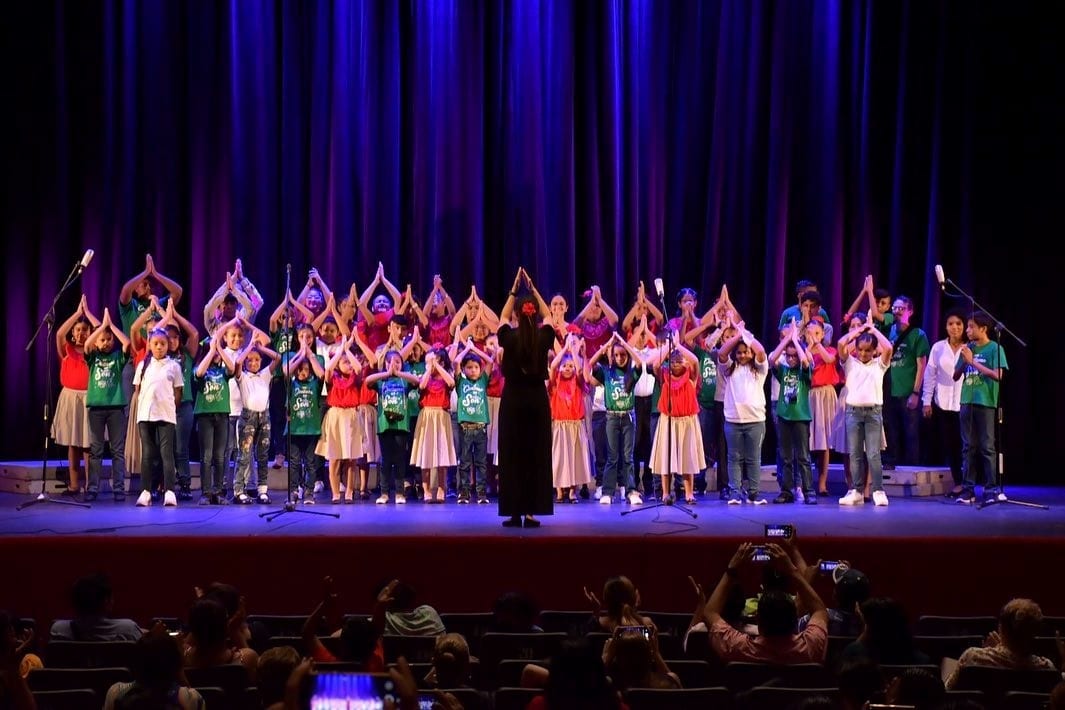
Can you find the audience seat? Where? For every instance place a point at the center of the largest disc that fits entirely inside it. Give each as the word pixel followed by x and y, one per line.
pixel 469 698
pixel 574 623
pixel 698 646
pixel 669 622
pixel 1052 624
pixel 694 674
pixel 496 647
pixel 677 699
pixel 416 649
pixel 836 644
pixel 515 698
pixel 892 671
pixel 277 624
pixel 744 676
pixel 774 698
pixel 215 697
pixel 996 682
pixel 940 647
pixel 232 678
pixel 508 671
pixel 955 625
pixel 1017 700
pixel 98 680
pixel 90 654
pixel 80 699
pixel 421 670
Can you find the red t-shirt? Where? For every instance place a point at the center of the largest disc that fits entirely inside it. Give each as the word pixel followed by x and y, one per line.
pixel 73 370
pixel 495 382
pixel 376 333
pixel 440 330
pixel 343 390
pixel 824 373
pixel 682 392
pixel 567 400
pixel 436 394
pixel 367 395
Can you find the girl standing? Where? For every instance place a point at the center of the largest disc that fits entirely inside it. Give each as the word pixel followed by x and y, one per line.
pixel 569 437
pixel 70 425
pixel 678 421
pixel 823 381
pixel 743 369
pixel 433 449
pixel 341 439
pixel 211 410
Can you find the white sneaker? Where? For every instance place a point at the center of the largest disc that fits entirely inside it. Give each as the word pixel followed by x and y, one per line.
pixel 598 493
pixel 759 501
pixel 635 498
pixel 605 499
pixel 880 498
pixel 735 501
pixel 318 487
pixel 299 493
pixel 145 499
pixel 401 499
pixel 381 500
pixel 853 497
pixel 169 500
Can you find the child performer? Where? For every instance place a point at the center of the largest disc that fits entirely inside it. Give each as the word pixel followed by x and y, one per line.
pixel 433 449
pixel 211 409
pixel 341 439
pixel 157 384
pixel 791 367
pixel 678 421
pixel 393 423
pixel 254 382
pixel 472 374
pixel 742 369
pixel 106 352
pixel 865 402
pixel 305 417
pixel 569 437
pixel 823 400
pixel 184 345
pixel 283 321
pixel 70 425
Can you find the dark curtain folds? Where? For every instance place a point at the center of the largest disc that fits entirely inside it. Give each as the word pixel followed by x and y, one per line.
pixel 743 141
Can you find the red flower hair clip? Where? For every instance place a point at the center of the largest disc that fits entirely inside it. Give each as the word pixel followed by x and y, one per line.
pixel 528 309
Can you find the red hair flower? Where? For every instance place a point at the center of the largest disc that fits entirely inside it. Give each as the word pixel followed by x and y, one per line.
pixel 528 309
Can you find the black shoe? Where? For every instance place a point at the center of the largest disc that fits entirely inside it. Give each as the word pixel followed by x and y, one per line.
pixel 120 497
pixel 724 494
pixel 156 496
pixel 71 493
pixel 90 495
pixel 785 497
pixel 184 494
pixel 531 523
pixel 810 500
pixel 512 522
pixel 205 500
pixel 888 467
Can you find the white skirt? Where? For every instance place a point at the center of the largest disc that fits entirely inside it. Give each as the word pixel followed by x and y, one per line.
pixel 70 425
pixel 368 425
pixel 434 442
pixel 493 428
pixel 570 460
pixel 341 437
pixel 822 412
pixel 686 450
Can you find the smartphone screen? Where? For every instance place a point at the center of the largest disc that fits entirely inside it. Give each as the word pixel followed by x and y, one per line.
pixel 829 566
pixel 364 691
pixel 783 531
pixel 760 555
pixel 645 630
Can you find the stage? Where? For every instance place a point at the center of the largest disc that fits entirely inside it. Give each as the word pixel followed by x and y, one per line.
pixel 937 556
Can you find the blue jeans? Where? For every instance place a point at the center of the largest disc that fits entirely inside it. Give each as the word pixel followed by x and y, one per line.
pixel 157 445
pixel 744 455
pixel 303 465
pixel 473 457
pixel 794 450
pixel 214 432
pixel 865 427
pixel 620 434
pixel 978 445
pixel 181 445
pixel 232 449
pixel 113 419
pixel 599 446
pixel 902 427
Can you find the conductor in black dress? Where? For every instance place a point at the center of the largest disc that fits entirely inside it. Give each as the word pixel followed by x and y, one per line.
pixel 524 411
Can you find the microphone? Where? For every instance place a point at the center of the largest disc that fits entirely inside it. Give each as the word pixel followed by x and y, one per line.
pixel 85 259
pixel 940 277
pixel 288 269
pixel 660 289
pixel 962 366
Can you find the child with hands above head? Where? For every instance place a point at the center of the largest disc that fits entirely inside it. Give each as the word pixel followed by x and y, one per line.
pixel 866 357
pixel 678 442
pixel 392 385
pixel 473 368
pixel 570 454
pixel 70 425
pixel 743 368
pixel 106 353
pixel 341 439
pixel 158 384
pixel 791 367
pixel 433 449
pixel 824 377
pixel 253 377
pixel 184 345
pixel 305 374
pixel 211 410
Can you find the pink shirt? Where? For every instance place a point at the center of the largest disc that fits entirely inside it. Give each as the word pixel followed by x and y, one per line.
pixel 807 647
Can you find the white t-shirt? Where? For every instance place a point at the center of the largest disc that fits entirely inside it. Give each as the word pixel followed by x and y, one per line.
pixel 939 378
pixel 645 384
pixel 745 392
pixel 255 389
pixel 865 381
pixel 157 381
pixel 236 402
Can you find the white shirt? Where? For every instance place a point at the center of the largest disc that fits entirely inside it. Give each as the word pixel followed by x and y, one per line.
pixel 255 389
pixel 157 381
pixel 236 402
pixel 865 381
pixel 744 392
pixel 939 378
pixel 645 384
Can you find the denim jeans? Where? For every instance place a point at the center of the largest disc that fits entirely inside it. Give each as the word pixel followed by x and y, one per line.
pixel 213 430
pixel 394 459
pixel 865 427
pixel 278 415
pixel 303 464
pixel 902 427
pixel 978 445
pixel 599 444
pixel 473 450
pixel 794 439
pixel 620 433
pixel 113 419
pixel 232 449
pixel 254 436
pixel 157 444
pixel 181 445
pixel 744 455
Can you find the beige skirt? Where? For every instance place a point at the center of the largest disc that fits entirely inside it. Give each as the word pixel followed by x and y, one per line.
pixel 838 436
pixel 822 412
pixel 341 437
pixel 686 450
pixel 70 425
pixel 133 438
pixel 570 460
pixel 368 425
pixel 493 429
pixel 434 442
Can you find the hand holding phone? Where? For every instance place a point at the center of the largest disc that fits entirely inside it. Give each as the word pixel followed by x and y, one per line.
pixel 760 554
pixel 779 531
pixel 828 566
pixel 645 631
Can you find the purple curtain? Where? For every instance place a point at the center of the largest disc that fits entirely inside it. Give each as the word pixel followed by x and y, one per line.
pixel 751 142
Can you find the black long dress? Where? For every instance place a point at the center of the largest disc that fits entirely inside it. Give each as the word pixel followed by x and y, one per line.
pixel 525 430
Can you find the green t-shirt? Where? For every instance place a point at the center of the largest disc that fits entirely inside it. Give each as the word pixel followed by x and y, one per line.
pixel 279 341
pixel 414 397
pixel 885 325
pixel 392 412
pixel 907 346
pixel 794 402
pixel 184 360
pixel 977 388
pixel 105 379
pixel 707 376
pixel 473 399
pixel 618 386
pixel 131 311
pixel 305 406
pixel 212 390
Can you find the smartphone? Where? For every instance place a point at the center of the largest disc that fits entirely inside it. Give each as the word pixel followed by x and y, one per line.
pixel 644 630
pixel 367 691
pixel 760 554
pixel 828 566
pixel 784 531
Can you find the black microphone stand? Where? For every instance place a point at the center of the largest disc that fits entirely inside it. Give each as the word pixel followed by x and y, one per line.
pixel 288 333
pixel 49 320
pixel 667 496
pixel 1001 497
